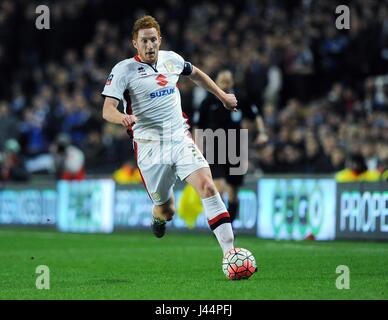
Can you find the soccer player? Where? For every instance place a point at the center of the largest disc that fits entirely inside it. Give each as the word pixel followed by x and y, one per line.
pixel 164 149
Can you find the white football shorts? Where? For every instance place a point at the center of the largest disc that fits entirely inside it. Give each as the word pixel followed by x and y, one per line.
pixel 160 163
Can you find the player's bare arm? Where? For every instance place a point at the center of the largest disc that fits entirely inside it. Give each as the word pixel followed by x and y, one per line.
pixel 200 78
pixel 111 114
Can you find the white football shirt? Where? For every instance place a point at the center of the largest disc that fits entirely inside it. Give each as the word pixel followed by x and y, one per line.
pixel 150 93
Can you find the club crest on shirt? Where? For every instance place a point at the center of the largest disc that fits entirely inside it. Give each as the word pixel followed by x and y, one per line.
pixel 155 196
pixel 169 66
pixel 109 80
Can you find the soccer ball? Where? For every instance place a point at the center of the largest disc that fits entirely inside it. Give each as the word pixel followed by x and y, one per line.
pixel 239 263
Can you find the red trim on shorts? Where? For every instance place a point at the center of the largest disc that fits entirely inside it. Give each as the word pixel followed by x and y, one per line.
pixel 128 111
pixel 186 119
pixel 142 178
pixel 219 217
pixel 187 131
pixel 129 105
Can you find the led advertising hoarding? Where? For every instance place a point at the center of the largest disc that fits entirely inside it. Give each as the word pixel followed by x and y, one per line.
pixel 362 211
pixel 296 208
pixel 86 206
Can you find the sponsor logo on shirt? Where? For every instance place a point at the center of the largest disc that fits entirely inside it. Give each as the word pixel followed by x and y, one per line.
pixel 162 93
pixel 161 80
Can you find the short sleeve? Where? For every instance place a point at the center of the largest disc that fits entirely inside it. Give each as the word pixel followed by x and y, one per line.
pixel 178 61
pixel 116 83
pixel 183 67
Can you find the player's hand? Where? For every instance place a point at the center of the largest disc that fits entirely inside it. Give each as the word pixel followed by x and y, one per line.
pixel 128 120
pixel 230 101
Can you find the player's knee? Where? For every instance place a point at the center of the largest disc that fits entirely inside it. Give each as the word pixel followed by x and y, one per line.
pixel 208 188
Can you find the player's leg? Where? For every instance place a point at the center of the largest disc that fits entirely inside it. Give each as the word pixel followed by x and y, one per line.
pixel 158 178
pixel 192 167
pixel 222 187
pixel 215 210
pixel 219 172
pixel 165 211
pixel 160 215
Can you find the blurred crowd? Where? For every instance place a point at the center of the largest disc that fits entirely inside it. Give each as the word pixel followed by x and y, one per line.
pixel 322 92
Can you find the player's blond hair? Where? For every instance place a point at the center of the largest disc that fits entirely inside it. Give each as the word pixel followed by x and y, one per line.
pixel 145 22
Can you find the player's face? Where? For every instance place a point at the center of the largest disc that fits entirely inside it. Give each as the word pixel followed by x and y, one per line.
pixel 147 44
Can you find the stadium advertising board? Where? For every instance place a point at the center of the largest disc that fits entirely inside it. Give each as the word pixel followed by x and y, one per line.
pixel 28 206
pixel 296 208
pixel 362 211
pixel 133 209
pixel 86 206
pixel 100 205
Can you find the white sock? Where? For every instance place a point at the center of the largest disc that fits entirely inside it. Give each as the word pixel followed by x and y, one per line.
pixel 219 221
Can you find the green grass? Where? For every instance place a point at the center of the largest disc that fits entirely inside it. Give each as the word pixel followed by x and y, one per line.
pixel 135 265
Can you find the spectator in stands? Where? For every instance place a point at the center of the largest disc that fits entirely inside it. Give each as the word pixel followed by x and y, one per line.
pixel 265 159
pixel 356 170
pixel 69 160
pixel 382 165
pixel 12 166
pixel 8 124
pixel 337 160
pixel 128 173
pixel 299 69
pixel 384 171
pixel 32 132
pixel 315 161
pixel 76 118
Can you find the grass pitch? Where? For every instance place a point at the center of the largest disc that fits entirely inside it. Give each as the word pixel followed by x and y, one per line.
pixel 136 265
